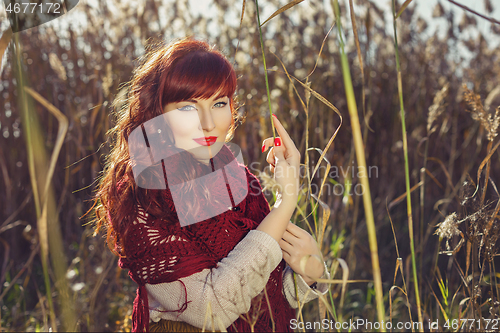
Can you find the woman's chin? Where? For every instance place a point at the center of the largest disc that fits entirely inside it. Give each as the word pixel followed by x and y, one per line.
pixel 205 153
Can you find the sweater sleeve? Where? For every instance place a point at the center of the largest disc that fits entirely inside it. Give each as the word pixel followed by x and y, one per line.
pixel 302 287
pixel 228 288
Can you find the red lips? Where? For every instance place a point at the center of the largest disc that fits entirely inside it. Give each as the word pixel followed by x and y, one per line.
pixel 206 141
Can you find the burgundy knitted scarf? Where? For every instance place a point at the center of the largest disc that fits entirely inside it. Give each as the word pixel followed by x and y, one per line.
pixel 158 252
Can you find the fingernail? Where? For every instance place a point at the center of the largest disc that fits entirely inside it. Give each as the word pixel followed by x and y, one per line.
pixel 275 116
pixel 277 142
pixel 263 147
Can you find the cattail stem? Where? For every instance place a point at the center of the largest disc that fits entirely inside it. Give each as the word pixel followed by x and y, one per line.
pixel 407 172
pixel 363 177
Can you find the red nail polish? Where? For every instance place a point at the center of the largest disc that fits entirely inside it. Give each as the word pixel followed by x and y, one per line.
pixel 263 147
pixel 275 116
pixel 277 142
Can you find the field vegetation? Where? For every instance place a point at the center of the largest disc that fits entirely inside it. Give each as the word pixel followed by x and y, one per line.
pixel 418 117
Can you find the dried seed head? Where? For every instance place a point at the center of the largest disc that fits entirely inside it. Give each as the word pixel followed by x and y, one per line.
pixel 477 291
pixel 493 99
pixel 488 6
pixel 107 81
pixel 57 66
pixel 488 121
pixel 449 227
pixel 467 191
pixel 438 10
pixel 466 21
pixel 495 123
pixel 437 108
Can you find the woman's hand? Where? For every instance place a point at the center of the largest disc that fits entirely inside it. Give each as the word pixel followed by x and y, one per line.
pixel 284 158
pixel 296 244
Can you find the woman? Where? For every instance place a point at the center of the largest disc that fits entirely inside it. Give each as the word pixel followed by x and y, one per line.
pixel 186 218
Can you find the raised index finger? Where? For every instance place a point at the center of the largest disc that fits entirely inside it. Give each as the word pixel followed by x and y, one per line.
pixel 285 138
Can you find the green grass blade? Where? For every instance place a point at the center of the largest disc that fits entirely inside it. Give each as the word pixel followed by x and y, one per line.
pixel 41 174
pixel 265 68
pixel 363 177
pixel 407 168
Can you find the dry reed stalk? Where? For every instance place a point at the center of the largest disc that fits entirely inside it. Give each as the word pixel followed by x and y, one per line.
pixel 31 129
pixel 4 42
pixel 399 267
pixel 489 122
pixel 407 171
pixel 360 60
pixel 435 111
pixel 41 174
pixel 265 69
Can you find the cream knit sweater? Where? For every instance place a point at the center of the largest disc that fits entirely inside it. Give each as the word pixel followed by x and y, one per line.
pixel 230 286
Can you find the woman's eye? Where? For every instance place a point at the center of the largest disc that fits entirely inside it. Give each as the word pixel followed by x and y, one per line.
pixel 220 104
pixel 187 108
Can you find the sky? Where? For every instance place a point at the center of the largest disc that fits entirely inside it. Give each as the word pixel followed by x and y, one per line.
pixel 424 8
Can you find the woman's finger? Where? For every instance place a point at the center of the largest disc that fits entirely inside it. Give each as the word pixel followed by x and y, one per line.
pixel 285 138
pixel 289 237
pixel 279 156
pixel 285 245
pixel 286 142
pixel 270 156
pixel 268 142
pixel 296 230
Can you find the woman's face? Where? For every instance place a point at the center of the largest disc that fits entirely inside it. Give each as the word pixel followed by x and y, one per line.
pixel 200 126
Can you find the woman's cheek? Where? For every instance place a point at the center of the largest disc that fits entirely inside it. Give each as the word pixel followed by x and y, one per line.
pixel 228 118
pixel 184 123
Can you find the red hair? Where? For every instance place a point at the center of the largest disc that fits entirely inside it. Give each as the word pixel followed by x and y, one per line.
pixel 175 72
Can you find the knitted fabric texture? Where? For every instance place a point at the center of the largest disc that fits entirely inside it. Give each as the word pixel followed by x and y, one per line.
pixel 158 251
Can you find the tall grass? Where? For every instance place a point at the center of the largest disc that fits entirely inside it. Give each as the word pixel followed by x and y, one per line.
pixel 41 174
pixel 363 177
pixel 406 165
pixel 79 70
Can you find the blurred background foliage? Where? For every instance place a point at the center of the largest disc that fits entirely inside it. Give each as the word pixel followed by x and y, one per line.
pixel 81 68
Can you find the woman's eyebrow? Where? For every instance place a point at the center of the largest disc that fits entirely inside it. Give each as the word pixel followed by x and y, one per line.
pixel 220 96
pixel 188 100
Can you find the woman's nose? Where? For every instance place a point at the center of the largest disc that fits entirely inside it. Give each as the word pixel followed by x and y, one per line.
pixel 206 120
